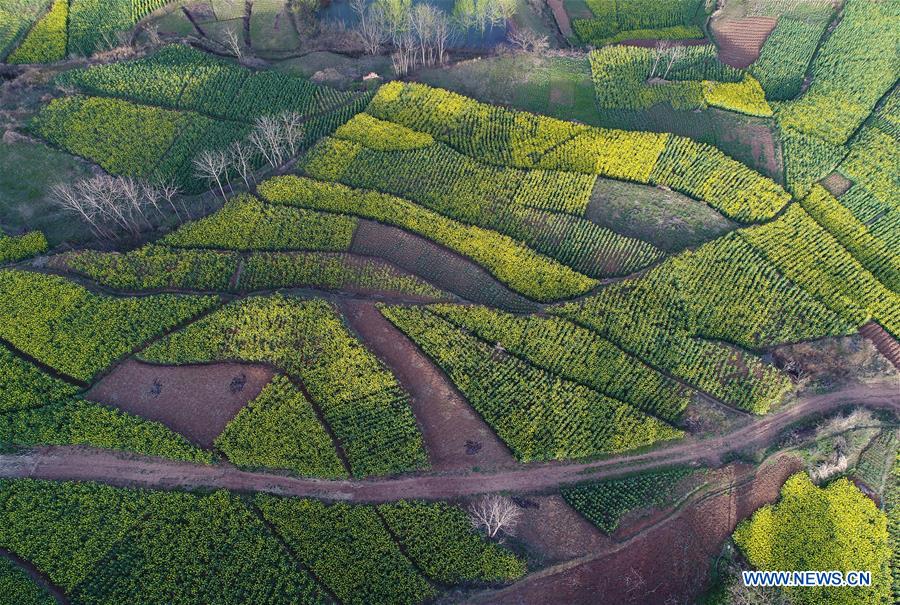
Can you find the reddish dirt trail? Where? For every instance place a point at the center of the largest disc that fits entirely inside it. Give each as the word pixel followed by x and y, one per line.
pixel 669 559
pixel 886 344
pixel 116 468
pixel 456 437
pixel 196 401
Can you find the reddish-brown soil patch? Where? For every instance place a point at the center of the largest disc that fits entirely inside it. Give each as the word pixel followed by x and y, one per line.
pixel 837 184
pixel 561 17
pixel 194 400
pixel 670 561
pixel 555 532
pixel 740 40
pixel 455 435
pixel 886 344
pixel 442 267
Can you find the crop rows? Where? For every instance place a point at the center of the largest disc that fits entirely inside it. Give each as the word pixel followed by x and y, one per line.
pixel 246 223
pixel 620 75
pixel 807 159
pixel 576 354
pixel 24 386
pixel 744 97
pixel 439 539
pixel 156 267
pixel 852 70
pixel 100 544
pixel 873 253
pixel 179 77
pixel 349 549
pixel 334 271
pixel 681 314
pixel 703 172
pixel 16 586
pixel 153 267
pixel 459 176
pixel 508 138
pixel 785 56
pixel 460 188
pixel 279 429
pixel 79 422
pixel 516 265
pixel 16 248
pixel 80 333
pixel 616 20
pixel 605 503
pixel 360 399
pixel 92 23
pixel 537 414
pixel 46 41
pixel 16 17
pixel 874 155
pixel 440 266
pixel 825 269
pixel 876 461
pixel 136 140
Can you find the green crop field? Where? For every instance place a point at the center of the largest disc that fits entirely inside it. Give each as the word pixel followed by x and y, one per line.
pixel 471 301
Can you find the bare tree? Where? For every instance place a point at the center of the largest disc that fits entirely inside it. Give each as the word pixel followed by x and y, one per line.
pixel 494 513
pixel 70 199
pixel 528 40
pixel 168 191
pixel 232 42
pixel 292 131
pixel 674 54
pixel 109 204
pixel 370 29
pixel 267 139
pixel 661 48
pixel 422 21
pixel 241 155
pixel 211 166
pixel 442 34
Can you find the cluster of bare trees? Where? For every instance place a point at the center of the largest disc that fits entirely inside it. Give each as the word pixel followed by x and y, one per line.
pixel 110 205
pixel 417 34
pixel 275 139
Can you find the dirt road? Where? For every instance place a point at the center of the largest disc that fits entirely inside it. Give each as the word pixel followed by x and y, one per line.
pixel 71 463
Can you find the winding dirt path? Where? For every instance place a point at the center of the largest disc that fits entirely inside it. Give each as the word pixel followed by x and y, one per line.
pixel 116 468
pixel 455 436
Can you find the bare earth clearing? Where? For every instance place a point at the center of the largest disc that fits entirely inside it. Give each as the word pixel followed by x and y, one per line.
pixel 194 400
pixel 668 559
pixel 740 40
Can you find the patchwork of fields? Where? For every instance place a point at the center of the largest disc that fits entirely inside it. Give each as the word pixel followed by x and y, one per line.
pixel 395 285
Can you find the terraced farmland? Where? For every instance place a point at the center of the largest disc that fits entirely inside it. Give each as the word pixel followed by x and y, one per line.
pixel 292 326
